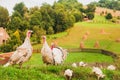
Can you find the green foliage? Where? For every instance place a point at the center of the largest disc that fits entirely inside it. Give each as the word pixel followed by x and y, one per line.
pixel 47 17
pixel 90 8
pixel 36 18
pixel 108 16
pixel 12 43
pixel 20 7
pixel 4 17
pixel 90 15
pixel 111 4
pixel 15 24
pixel 50 30
pixel 38 32
pixel 78 16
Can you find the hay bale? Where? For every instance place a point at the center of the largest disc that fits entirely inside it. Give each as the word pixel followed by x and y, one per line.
pixel 87 33
pixel 102 31
pixel 84 37
pixel 117 40
pixel 82 45
pixel 96 45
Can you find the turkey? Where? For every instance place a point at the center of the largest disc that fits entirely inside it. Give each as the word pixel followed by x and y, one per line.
pixel 46 52
pixel 22 53
pixel 52 55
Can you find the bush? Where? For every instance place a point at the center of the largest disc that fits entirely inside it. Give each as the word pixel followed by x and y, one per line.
pixel 90 15
pixel 108 16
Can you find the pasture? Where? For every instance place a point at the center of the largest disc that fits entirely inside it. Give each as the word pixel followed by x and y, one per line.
pixel 101 30
pixel 36 70
pixel 72 37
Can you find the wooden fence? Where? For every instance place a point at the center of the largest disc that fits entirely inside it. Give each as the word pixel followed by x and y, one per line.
pixel 102 51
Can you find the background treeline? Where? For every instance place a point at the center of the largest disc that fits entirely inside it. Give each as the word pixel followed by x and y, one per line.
pixel 111 4
pixel 46 19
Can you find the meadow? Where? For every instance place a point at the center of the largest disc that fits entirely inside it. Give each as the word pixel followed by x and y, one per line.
pixel 36 70
pixel 72 37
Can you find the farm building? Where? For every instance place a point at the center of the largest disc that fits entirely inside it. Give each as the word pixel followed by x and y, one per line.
pixel 3 35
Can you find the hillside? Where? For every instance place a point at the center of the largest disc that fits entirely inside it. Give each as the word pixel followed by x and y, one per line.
pixel 72 37
pixel 99 10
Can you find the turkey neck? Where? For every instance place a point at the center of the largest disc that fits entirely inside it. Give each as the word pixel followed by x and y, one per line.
pixel 44 40
pixel 28 34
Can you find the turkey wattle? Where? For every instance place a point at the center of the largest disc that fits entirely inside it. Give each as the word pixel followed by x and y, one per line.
pixel 22 53
pixel 53 55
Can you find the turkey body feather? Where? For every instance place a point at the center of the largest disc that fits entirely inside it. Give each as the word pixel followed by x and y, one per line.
pixel 22 53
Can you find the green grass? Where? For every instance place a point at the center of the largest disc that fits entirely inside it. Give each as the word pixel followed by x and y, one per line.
pixel 88 57
pixel 72 37
pixel 36 70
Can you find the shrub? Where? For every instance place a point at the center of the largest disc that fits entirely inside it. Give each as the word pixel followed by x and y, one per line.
pixel 90 15
pixel 108 16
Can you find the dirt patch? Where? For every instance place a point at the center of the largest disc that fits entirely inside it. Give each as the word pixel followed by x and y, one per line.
pixel 5 57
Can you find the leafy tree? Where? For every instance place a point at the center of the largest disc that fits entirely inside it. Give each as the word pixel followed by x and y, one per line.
pixel 50 30
pixel 78 16
pixel 90 8
pixel 4 16
pixel 90 15
pixel 36 18
pixel 111 4
pixel 15 23
pixel 20 7
pixel 38 32
pixel 47 17
pixel 108 16
pixel 16 14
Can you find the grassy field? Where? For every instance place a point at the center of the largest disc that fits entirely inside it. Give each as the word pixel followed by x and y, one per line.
pixel 36 70
pixel 72 37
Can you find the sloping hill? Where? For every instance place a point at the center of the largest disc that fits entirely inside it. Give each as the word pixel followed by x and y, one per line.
pixel 101 30
pixel 114 13
pixel 105 33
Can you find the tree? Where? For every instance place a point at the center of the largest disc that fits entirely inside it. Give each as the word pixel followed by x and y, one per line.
pixel 38 32
pixel 90 15
pixel 20 7
pixel 111 4
pixel 36 18
pixel 78 16
pixel 90 8
pixel 47 17
pixel 15 23
pixel 4 17
pixel 108 16
pixel 50 30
